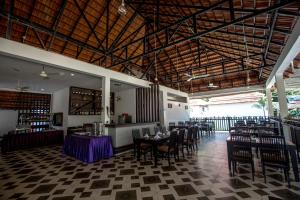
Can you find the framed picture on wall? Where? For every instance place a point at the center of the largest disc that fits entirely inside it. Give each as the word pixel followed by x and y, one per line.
pixel 169 105
pixel 186 107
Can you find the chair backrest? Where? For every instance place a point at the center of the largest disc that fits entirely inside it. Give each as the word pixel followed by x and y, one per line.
pixel 195 132
pixel 146 131
pixel 173 139
pixel 180 123
pixel 264 130
pixel 241 146
pixel 181 135
pixel 240 123
pixel 242 130
pixel 163 129
pixel 273 148
pixel 156 129
pixel 190 134
pixel 135 133
pixel 171 123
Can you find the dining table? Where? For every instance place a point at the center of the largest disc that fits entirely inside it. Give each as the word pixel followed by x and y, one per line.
pixel 88 149
pixel 291 148
pixel 155 142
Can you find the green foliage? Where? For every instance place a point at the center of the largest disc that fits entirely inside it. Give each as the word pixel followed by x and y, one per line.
pixel 261 104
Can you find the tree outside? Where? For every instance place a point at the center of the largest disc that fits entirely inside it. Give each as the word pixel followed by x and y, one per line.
pixel 261 104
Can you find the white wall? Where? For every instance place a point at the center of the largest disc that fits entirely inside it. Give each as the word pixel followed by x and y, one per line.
pixel 177 112
pixel 60 103
pixel 237 109
pixel 8 121
pixel 126 104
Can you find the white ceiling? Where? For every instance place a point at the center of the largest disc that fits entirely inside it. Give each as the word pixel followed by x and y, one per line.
pixel 14 70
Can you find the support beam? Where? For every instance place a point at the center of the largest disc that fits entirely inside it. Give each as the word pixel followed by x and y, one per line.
pixel 281 96
pixel 269 102
pixel 9 21
pixel 273 22
pixel 201 34
pixel 74 26
pixel 56 22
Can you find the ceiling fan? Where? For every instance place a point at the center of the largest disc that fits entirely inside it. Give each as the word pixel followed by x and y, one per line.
pixel 211 85
pixel 46 75
pixel 192 77
pixel 21 88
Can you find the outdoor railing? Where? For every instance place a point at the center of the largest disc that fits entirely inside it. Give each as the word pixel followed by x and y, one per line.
pixel 224 123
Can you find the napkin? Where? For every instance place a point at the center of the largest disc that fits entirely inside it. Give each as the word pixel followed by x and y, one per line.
pixel 157 137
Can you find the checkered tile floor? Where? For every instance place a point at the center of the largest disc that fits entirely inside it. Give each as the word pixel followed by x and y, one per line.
pixel 46 173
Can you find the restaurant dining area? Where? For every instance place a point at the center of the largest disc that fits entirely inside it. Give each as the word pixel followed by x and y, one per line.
pixel 113 100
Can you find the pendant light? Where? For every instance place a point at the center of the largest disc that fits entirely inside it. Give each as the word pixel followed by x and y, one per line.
pixel 122 9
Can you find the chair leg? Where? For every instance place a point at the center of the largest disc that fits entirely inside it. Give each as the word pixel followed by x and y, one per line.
pixel 264 172
pixel 252 166
pixel 187 149
pixel 169 159
pixel 233 168
pixel 287 177
pixel 182 151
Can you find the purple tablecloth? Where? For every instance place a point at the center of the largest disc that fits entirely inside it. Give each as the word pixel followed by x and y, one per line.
pixel 88 148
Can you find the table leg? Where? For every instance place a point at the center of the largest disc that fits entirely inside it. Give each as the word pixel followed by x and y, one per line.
pixel 155 155
pixel 228 156
pixel 294 164
pixel 138 149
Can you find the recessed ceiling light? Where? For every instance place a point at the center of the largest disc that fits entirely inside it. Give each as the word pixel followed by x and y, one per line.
pixel 72 74
pixel 42 89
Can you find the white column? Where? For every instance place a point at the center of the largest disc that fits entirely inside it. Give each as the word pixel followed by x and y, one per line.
pixel 282 104
pixel 281 96
pixel 105 115
pixel 163 108
pixel 270 105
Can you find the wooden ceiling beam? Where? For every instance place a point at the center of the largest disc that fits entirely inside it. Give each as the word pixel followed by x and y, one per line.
pixel 202 33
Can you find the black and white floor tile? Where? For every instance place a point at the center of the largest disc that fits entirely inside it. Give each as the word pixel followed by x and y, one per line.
pixel 46 173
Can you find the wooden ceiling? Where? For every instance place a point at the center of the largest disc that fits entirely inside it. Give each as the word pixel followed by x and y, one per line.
pixel 230 43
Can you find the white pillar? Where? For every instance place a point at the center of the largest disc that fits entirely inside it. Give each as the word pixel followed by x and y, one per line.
pixel 270 105
pixel 282 104
pixel 105 115
pixel 163 108
pixel 281 96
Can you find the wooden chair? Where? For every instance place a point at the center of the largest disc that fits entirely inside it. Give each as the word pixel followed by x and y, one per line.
pixel 180 142
pixel 273 153
pixel 171 125
pixel 145 148
pixel 146 131
pixel 241 151
pixel 170 147
pixel 196 137
pixel 188 142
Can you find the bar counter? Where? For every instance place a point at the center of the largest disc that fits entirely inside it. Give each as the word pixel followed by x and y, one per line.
pixel 121 133
pixel 11 142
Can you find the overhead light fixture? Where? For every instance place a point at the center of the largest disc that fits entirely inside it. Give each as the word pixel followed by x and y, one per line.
pixel 122 9
pixel 43 74
pixel 72 74
pixel 42 89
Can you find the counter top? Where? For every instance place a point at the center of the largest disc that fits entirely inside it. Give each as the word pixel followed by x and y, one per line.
pixel 128 125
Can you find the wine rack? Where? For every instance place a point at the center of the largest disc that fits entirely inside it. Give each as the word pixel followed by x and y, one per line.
pixel 84 101
pixel 33 108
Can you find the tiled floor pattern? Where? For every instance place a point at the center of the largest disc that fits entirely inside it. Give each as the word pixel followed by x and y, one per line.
pixel 46 173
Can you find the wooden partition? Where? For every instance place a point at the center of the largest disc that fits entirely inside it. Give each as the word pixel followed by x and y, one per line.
pixel 147 104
